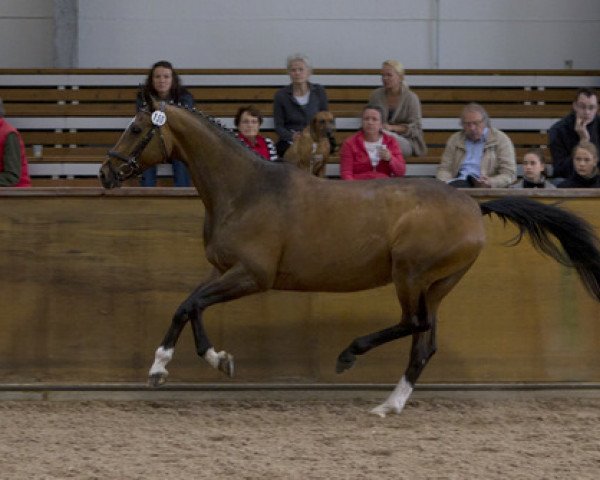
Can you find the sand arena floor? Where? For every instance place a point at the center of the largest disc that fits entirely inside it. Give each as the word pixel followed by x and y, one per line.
pixel 300 435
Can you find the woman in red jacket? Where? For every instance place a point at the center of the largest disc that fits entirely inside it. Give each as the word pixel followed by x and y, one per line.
pixel 13 163
pixel 371 153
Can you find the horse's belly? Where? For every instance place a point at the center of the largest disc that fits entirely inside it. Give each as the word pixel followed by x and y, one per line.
pixel 333 275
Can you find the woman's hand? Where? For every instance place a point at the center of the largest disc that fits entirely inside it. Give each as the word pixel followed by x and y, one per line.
pixel 384 153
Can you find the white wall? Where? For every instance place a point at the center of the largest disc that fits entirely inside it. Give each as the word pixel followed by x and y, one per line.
pixel 26 33
pixel 520 33
pixel 253 33
pixel 334 33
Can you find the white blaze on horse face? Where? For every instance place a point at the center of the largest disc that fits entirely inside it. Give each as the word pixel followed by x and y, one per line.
pixel 396 401
pixel 161 358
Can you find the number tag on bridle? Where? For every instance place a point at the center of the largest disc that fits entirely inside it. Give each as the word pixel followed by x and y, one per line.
pixel 158 118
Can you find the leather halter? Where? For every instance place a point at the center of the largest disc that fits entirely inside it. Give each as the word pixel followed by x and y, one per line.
pixel 131 166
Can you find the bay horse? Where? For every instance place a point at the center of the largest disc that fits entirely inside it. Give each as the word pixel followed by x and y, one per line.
pixel 270 225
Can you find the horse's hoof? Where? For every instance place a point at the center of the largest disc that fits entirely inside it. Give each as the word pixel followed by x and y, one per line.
pixel 157 379
pixel 226 363
pixel 344 362
pixel 385 408
pixel 381 410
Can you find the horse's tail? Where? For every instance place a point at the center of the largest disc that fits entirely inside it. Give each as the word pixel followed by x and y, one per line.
pixel 580 245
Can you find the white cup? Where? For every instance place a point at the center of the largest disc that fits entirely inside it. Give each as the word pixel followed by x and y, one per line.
pixel 380 150
pixel 38 150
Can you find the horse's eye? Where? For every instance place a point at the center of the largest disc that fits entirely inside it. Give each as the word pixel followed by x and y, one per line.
pixel 136 129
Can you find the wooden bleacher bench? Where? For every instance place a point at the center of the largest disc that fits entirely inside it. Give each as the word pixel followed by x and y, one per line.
pixel 78 114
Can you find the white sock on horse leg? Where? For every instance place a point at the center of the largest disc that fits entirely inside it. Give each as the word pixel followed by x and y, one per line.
pixel 221 361
pixel 212 357
pixel 161 358
pixel 396 401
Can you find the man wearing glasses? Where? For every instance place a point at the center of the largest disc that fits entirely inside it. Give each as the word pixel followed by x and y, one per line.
pixel 582 124
pixel 479 155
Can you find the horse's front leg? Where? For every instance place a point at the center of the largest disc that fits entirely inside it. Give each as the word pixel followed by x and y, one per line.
pixel 234 283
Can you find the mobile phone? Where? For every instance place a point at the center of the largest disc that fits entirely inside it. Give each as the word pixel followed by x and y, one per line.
pixel 472 180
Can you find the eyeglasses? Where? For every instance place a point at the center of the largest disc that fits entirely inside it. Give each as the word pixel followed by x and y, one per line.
pixel 475 123
pixel 589 108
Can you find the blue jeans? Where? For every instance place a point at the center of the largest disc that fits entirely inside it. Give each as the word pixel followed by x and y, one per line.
pixel 181 177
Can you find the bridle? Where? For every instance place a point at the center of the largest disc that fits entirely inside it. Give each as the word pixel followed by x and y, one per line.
pixel 131 166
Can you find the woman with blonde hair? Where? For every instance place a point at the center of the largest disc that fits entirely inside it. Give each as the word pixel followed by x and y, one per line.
pixel 401 107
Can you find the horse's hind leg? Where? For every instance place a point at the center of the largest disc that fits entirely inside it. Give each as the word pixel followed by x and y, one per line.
pixel 234 283
pixel 423 344
pixel 414 319
pixel 362 345
pixel 423 348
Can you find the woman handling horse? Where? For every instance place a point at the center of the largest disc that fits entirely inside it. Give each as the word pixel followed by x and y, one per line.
pixel 268 225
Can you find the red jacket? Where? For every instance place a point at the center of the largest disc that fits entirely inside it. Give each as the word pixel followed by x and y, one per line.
pixel 355 163
pixel 6 129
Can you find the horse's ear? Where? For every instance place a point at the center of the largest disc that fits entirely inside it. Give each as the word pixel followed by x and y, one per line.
pixel 147 100
pixel 142 98
pixel 156 104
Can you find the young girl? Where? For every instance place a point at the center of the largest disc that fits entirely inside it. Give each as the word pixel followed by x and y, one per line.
pixel 585 163
pixel 534 171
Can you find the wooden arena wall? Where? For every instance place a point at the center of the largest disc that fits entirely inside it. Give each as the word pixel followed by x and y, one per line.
pixel 90 280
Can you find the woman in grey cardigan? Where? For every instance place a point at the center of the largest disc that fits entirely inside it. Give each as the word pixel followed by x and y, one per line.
pixel 402 109
pixel 294 106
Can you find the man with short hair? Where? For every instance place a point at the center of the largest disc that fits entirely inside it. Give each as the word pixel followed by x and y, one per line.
pixel 13 164
pixel 582 124
pixel 479 155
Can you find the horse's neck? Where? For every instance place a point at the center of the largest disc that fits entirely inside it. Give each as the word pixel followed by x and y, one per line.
pixel 220 169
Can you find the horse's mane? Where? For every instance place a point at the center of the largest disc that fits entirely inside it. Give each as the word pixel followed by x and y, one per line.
pixel 225 133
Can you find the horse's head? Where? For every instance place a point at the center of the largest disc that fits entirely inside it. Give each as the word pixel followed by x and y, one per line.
pixel 145 142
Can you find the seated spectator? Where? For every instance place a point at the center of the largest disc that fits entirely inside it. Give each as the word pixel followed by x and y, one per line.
pixel 401 109
pixel 163 83
pixel 534 171
pixel 585 167
pixel 248 120
pixel 294 106
pixel 14 171
pixel 371 152
pixel 479 155
pixel 582 124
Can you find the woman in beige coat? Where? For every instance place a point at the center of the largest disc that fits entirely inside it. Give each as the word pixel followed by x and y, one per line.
pixel 401 108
